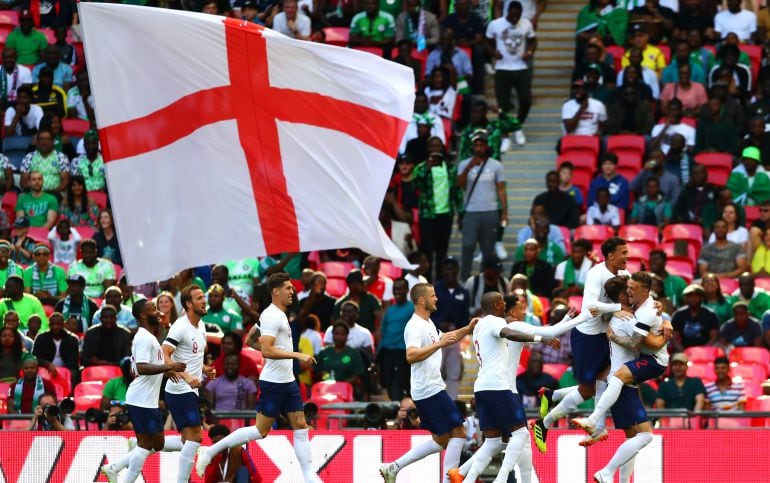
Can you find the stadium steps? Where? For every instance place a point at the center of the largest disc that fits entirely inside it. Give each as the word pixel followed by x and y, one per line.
pixel 525 167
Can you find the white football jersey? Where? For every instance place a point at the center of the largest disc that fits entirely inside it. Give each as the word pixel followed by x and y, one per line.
pixel 144 390
pixel 648 320
pixel 514 351
pixel 426 380
pixel 273 322
pixel 619 355
pixel 189 344
pixel 595 296
pixel 492 354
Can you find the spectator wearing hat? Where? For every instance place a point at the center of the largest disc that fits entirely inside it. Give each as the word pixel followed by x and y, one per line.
pixel 591 62
pixel 572 272
pixel 28 42
pixel 539 272
pixel 53 165
pixel 489 280
pixel 58 347
pixel 652 57
pixel 114 297
pixel 583 115
pixel 745 193
pixel 694 324
pixel 37 207
pixel 15 74
pixel 292 22
pixel 679 391
pixel 420 111
pixel 107 343
pixel 483 180
pixel 610 179
pixel 48 282
pixel 724 394
pixel 98 272
pixel 594 87
pixel 216 314
pixel 417 148
pixel 742 330
pixel 249 12
pixel 7 266
pixel 479 120
pixel 24 304
pixel 757 299
pixel 369 309
pixel 22 244
pixel 561 207
pixel 75 305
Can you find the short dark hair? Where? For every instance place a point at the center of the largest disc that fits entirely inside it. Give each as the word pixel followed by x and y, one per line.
pixel 612 157
pixel 108 307
pixel 551 173
pixel 582 243
pixel 488 300
pixel 237 341
pixel 722 360
pixel 514 4
pixel 567 165
pixel 657 252
pixel 643 278
pixel 615 286
pixel 186 295
pixel 138 308
pixel 603 190
pixel 25 89
pixel 277 280
pixel 88 243
pixel 218 430
pixel 611 244
pixel 342 325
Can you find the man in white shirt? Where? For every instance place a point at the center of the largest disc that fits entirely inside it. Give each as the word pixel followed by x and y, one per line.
pixel 512 38
pixel 358 336
pixel 742 23
pixel 15 75
pixel 148 364
pixel 186 343
pixel 438 413
pixel 24 118
pixel 583 115
pixel 590 347
pixel 291 22
pixel 278 389
pixel 662 133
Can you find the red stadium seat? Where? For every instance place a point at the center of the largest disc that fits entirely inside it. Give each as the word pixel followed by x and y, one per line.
pixel 337 269
pixel 75 127
pixel 298 287
pixel 88 394
pixel 752 389
pixel 704 371
pixel 670 249
pixel 575 301
pixel 717 176
pixel 342 390
pixel 752 214
pixel 555 370
pixel 100 198
pixel 594 233
pixel 761 403
pixel 754 355
pixel 728 285
pixel 50 35
pixel 617 56
pixel 709 160
pixel 372 50
pixel 80 58
pixel 640 233
pixel 748 371
pixel 682 231
pixel 626 143
pixel 634 265
pixel 576 143
pixel 336 287
pixel 632 160
pixel 9 17
pixel 639 251
pixel 389 270
pixel 579 159
pixel 101 373
pixel 763 283
pixel 63 378
pixel 567 243
pixel 666 50
pixel 628 172
pixel 39 234
pixel 4 31
pixel 337 36
pixel 681 268
pixel 703 353
pixel 755 56
pixel 255 356
pixel 581 178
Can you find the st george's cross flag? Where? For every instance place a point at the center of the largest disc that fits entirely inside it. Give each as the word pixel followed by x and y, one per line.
pixel 224 140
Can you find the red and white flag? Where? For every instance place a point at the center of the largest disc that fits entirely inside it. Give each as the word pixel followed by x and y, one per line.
pixel 225 140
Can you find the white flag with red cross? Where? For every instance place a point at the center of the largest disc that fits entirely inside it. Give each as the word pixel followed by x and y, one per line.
pixel 225 140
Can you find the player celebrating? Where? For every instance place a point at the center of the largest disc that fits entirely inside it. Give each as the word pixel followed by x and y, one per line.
pixel 143 392
pixel 590 347
pixel 278 389
pixel 438 413
pixel 186 343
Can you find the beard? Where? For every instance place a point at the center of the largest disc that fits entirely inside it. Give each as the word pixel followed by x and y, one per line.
pixel 200 312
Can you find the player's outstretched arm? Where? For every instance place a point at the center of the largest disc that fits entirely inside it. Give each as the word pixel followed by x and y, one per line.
pixel 558 330
pixel 591 292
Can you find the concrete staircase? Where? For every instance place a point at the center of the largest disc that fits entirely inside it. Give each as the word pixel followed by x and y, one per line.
pixel 525 167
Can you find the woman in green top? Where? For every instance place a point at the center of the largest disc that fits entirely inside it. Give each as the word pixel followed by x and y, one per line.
pixel 715 299
pixel 339 362
pixel 11 352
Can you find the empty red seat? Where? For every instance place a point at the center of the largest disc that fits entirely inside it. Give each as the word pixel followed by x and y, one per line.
pixel 617 53
pixel 387 269
pixel 581 177
pixel 752 214
pixel 341 389
pixel 555 370
pixel 666 51
pixel 755 56
pixel 681 268
pixel 255 356
pixel 703 353
pixel 38 234
pixel 579 159
pixel 577 143
pixel 9 17
pixel 722 160
pixel 703 370
pixel 717 176
pixel 728 285
pixel 752 389
pixel 50 35
pixel 575 301
pixel 763 283
pixel 566 234
pixel 748 371
pixel 683 231
pixel 755 355
pixel 594 233
pixel 75 127
pixel 100 198
pixel 640 233
pixel 631 160
pixel 101 373
pixel 670 249
pixel 639 251
pixel 337 35
pixel 336 287
pixel 88 394
pixel 337 269
pixel 759 404
pixel 323 421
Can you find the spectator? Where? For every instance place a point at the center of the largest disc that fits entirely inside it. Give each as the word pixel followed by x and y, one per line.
pixel 114 392
pixel 340 361
pixel 373 28
pixel 447 56
pixel 22 303
pixel 694 196
pixel 402 184
pixel 67 50
pixel 107 343
pixel 680 391
pixel 742 330
pixel 691 93
pixel 359 337
pixel 529 383
pixel 421 116
pixel 560 206
pixel 722 257
pixel 697 16
pixel 53 165
pixel 760 265
pixel 484 182
pixel 16 75
pixel 758 138
pixel 716 132
pixel 594 88
pixel 38 208
pixel 43 420
pixel 678 160
pixel 520 283
pixel 65 241
pixel 61 72
pixel 736 75
pixel 539 272
pixel 660 295
pixel 114 297
pixel 757 299
pixel 106 238
pixel 652 208
pixel 590 61
pixel 566 169
pixel 453 307
pixel 77 206
pixel 418 274
pixel 628 114
pixel 658 18
pixel 674 285
pixel 11 353
pixel 318 302
pixel 479 120
pixel 232 344
pixel 378 285
pixel 694 324
pixel 563 355
pixel 682 57
pixel 26 40
pixel 526 232
pixel 469 32
pixel 232 392
pixel 736 20
pixel 601 212
pixel 639 76
pixel 80 102
pixel 511 69
pixel 662 133
pixel 489 280
pixel 610 179
pixel 652 57
pixel 29 389
pixel 216 314
pixel 98 272
pixel 758 190
pixel 714 299
pixel 550 252
pixel 418 26
pixel 75 305
pixel 49 96
pixel 58 347
pixel 91 164
pixel 724 394
pixel 405 57
pixel 735 233
pixel 292 22
pixel 417 147
pixel 571 273
pixel 234 464
pixel 655 168
pixel 24 118
pixel 44 279
pixel 408 418
pixel 582 115
pixel 758 226
pixel 712 212
pixel 368 307
pixel 7 266
pixel 391 353
pixel 609 23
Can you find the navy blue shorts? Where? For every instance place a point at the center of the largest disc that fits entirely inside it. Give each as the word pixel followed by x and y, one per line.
pixel 184 409
pixel 145 420
pixel 628 410
pixel 276 398
pixel 645 368
pixel 590 355
pixel 499 410
pixel 439 414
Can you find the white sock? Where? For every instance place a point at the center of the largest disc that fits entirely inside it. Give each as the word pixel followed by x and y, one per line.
pixel 601 387
pixel 136 463
pixel 512 453
pixel 452 455
pixel 172 443
pixel 122 463
pixel 186 460
pixel 466 467
pixel 627 470
pixel 627 451
pixel 566 406
pixel 559 394
pixel 415 454
pixel 525 462
pixel 488 450
pixel 302 451
pixel 238 437
pixel 607 399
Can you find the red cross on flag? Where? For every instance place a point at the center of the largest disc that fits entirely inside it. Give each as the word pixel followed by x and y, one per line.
pixel 225 140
